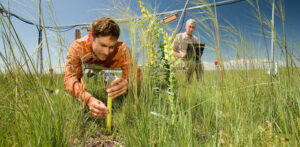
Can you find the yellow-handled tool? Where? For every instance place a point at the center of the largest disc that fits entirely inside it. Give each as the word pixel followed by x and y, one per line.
pixel 108 119
pixel 109 77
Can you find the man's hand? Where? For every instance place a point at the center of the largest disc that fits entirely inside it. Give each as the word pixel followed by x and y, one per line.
pixel 97 108
pixel 181 55
pixel 117 87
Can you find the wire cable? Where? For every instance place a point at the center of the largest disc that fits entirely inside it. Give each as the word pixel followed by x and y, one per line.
pixel 51 28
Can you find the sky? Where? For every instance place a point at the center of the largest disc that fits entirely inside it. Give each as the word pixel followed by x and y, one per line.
pixel 241 15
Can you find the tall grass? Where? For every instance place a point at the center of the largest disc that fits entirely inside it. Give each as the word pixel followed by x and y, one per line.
pixel 31 113
pixel 245 108
pixel 240 109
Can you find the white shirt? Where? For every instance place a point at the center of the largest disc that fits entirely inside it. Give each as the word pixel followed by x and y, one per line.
pixel 182 40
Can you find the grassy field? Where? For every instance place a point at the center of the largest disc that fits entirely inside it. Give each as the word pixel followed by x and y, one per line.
pixel 239 107
pixel 240 111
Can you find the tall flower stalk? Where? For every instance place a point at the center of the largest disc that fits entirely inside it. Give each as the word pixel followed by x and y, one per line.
pixel 160 55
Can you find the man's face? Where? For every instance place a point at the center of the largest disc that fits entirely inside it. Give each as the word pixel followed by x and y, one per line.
pixel 103 46
pixel 190 27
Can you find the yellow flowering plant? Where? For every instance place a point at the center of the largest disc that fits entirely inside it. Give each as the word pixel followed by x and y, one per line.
pixel 160 59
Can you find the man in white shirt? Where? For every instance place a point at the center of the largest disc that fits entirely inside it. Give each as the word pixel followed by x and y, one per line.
pixel 180 45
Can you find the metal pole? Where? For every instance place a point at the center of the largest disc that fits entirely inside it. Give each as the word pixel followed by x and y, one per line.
pixel 221 3
pixel 6 54
pixel 225 2
pixel 41 50
pixel 182 14
pixel 77 34
pixel 272 68
pixel 40 56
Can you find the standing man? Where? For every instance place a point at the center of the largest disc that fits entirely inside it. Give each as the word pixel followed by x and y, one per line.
pixel 180 46
pixel 101 47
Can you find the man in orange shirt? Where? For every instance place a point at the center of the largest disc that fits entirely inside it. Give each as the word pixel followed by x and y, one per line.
pixel 103 48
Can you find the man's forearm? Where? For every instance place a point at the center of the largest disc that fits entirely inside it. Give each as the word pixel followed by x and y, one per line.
pixel 81 93
pixel 76 88
pixel 179 55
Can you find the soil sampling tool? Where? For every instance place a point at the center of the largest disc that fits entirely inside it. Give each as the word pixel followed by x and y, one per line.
pixel 108 78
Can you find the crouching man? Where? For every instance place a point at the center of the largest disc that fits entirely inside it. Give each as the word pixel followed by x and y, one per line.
pixel 101 47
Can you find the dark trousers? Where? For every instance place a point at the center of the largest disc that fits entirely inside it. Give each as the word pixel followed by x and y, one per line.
pixel 194 66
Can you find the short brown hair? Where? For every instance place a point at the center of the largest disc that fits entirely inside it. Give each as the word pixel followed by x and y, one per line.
pixel 105 27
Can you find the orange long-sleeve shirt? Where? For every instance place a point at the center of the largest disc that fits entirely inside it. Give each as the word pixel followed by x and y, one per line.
pixel 81 52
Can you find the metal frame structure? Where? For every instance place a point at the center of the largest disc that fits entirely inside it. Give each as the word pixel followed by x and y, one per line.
pixel 64 28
